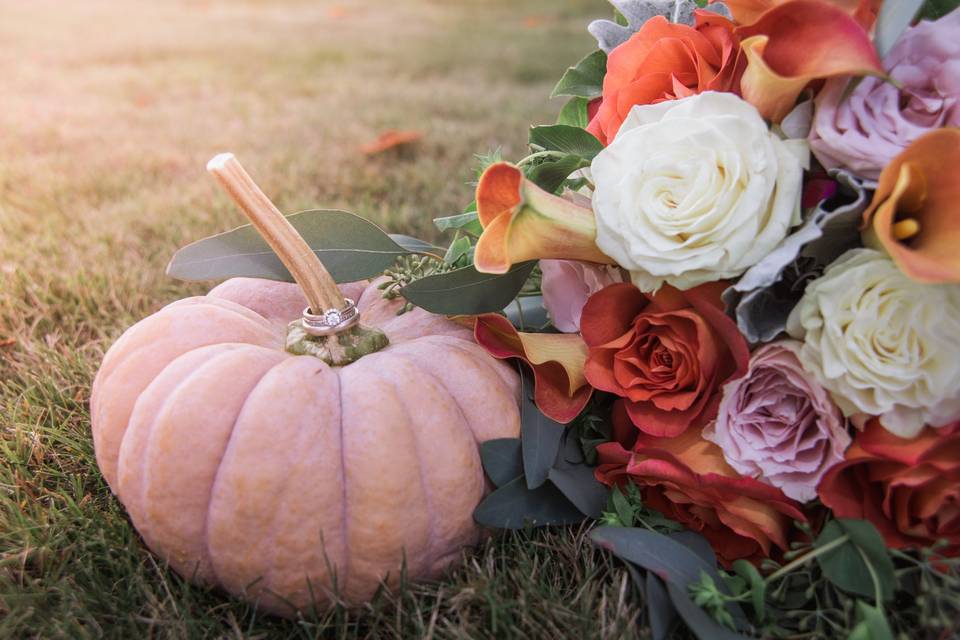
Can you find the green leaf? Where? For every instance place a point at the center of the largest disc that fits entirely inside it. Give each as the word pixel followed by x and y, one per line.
pixel 873 624
pixel 862 564
pixel 514 506
pixel 576 479
pixel 350 247
pixel 415 245
pixel 468 222
pixel 758 588
pixel 540 436
pixel 457 250
pixel 502 459
pixel 527 313
pixel 565 138
pixel 699 621
pixel 466 291
pixel 585 79
pixel 660 610
pixel 550 175
pixel 892 21
pixel 936 9
pixel 574 113
pixel 622 507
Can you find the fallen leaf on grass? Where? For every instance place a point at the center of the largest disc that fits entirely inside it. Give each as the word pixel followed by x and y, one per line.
pixel 391 139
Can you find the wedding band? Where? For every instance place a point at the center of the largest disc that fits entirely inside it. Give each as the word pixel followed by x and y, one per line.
pixel 330 321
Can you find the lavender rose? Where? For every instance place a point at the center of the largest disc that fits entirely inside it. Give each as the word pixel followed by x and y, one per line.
pixel 567 284
pixel 778 425
pixel 876 122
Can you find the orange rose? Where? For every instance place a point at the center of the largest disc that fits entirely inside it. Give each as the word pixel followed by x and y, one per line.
pixel 908 489
pixel 668 353
pixel 687 479
pixel 666 61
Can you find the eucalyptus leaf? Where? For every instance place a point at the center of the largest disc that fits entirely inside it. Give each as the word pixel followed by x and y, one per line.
pixel 502 459
pixel 697 620
pixel 458 249
pixel 581 487
pixel 350 247
pixel 527 313
pixel 661 614
pixel 758 588
pixel 936 9
pixel 540 437
pixel 585 79
pixel 862 564
pixel 466 291
pixel 568 139
pixel 514 506
pixel 892 21
pixel 468 222
pixel 550 175
pixel 670 559
pixel 873 624
pixel 416 245
pixel 574 112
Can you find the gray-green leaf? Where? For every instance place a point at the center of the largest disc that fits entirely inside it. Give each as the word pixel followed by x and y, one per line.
pixel 350 247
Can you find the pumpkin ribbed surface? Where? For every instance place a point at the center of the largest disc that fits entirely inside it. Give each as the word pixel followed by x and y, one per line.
pixel 273 475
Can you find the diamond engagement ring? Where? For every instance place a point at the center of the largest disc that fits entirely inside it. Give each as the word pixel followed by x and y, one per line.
pixel 330 321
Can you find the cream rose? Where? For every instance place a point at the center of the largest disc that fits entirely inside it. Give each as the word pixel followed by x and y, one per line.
pixel 695 190
pixel 881 343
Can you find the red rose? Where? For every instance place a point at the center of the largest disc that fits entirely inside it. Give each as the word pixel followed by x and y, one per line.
pixel 668 354
pixel 687 479
pixel 666 61
pixel 908 489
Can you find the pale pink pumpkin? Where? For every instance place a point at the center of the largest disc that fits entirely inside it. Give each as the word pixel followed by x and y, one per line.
pixel 267 473
pixel 279 477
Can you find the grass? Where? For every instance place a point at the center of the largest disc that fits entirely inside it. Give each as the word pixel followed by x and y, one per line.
pixel 108 113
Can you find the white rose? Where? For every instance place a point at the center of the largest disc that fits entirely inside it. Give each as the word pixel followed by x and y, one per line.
pixel 881 343
pixel 695 190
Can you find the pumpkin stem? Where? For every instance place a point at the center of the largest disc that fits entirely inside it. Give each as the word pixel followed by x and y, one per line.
pixel 340 347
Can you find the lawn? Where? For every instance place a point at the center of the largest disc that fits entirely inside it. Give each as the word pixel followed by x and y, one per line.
pixel 108 112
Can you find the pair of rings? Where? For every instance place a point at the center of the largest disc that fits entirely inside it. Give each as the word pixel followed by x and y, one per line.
pixel 330 321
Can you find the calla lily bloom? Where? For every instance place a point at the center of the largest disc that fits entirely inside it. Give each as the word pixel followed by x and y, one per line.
pixel 557 359
pixel 749 11
pixel 796 42
pixel 915 213
pixel 523 222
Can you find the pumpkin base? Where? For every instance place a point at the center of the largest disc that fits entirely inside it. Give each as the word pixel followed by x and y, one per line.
pixel 336 350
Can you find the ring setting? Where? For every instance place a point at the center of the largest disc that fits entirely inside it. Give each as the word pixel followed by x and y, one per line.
pixel 330 321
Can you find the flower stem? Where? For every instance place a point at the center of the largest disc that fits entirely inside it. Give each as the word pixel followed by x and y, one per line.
pixel 318 286
pixel 807 557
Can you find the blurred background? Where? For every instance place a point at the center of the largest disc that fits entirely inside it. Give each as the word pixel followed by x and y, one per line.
pixel 109 110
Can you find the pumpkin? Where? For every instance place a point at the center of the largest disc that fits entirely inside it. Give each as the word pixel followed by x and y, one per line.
pixel 281 478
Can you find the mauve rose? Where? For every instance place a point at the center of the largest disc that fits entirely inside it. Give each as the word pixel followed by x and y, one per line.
pixel 877 121
pixel 778 425
pixel 567 284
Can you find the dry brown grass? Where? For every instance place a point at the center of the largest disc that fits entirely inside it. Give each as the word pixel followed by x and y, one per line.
pixel 109 110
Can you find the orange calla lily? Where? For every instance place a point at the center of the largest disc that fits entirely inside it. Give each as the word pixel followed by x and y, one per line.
pixel 915 213
pixel 557 359
pixel 796 42
pixel 749 11
pixel 521 222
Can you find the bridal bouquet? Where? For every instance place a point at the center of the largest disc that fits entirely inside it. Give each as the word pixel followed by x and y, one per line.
pixel 730 277
pixel 737 255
